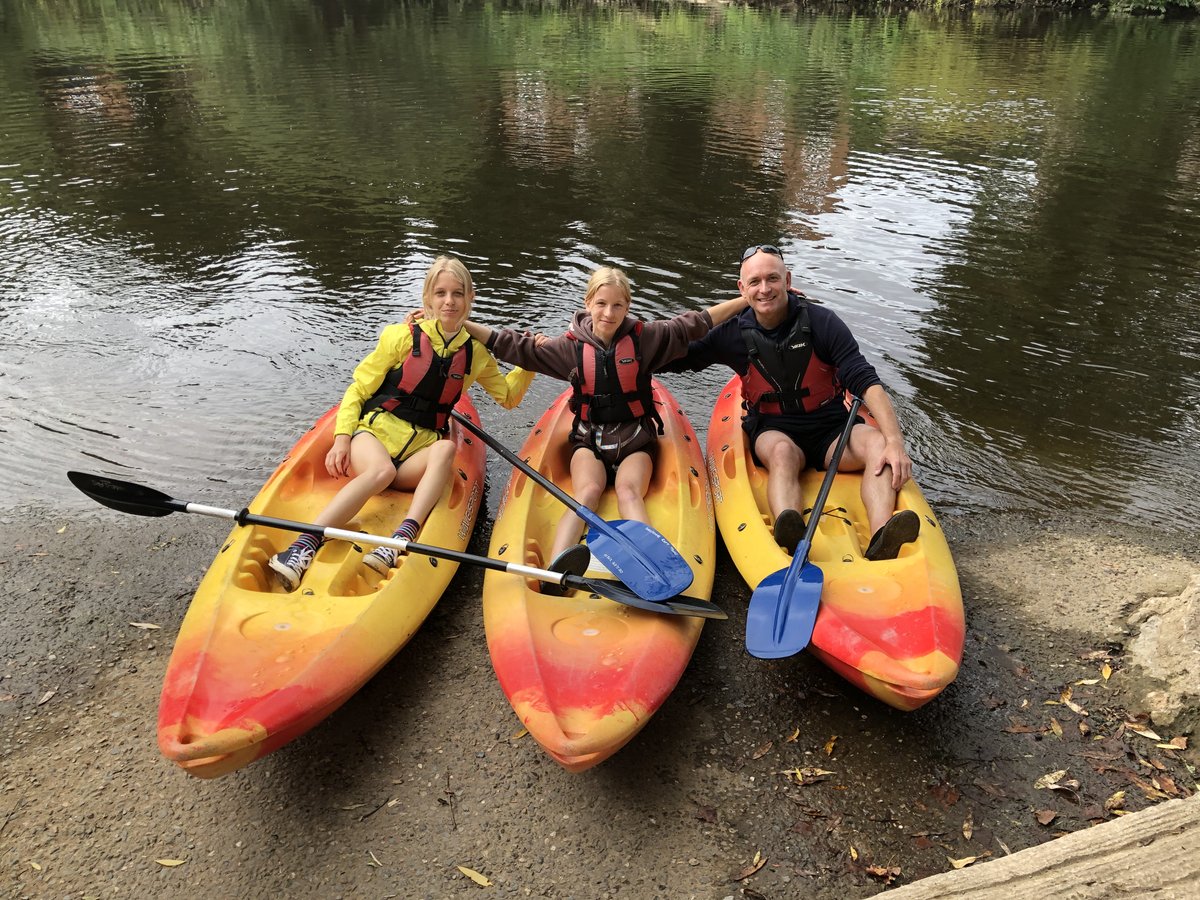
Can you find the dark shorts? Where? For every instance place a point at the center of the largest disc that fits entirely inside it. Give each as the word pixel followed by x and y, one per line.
pixel 611 449
pixel 814 433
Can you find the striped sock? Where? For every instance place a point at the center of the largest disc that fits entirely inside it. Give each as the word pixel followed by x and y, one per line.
pixel 311 541
pixel 408 530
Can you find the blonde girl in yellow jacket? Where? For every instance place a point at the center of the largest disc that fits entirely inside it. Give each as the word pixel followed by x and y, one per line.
pixel 392 426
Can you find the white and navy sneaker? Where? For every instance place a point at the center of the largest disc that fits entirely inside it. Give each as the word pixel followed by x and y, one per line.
pixel 381 559
pixel 293 562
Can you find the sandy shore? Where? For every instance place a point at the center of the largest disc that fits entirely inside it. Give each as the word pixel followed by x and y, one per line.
pixel 424 770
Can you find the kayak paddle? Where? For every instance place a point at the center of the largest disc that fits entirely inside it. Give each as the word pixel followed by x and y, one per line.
pixel 783 608
pixel 140 500
pixel 635 552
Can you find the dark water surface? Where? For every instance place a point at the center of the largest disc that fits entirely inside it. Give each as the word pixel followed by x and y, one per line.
pixel 209 210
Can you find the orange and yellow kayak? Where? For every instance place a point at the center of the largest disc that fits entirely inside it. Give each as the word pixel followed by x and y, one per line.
pixel 894 627
pixel 584 674
pixel 255 666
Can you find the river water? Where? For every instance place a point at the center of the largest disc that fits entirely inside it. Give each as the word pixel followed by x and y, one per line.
pixel 209 210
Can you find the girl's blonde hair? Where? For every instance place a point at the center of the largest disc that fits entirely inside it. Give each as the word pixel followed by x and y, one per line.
pixel 457 270
pixel 607 275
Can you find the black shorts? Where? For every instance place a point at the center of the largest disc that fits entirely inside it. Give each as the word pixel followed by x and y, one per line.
pixel 814 433
pixel 611 449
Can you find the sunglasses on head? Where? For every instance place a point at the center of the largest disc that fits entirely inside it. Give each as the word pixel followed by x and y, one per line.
pixel 765 248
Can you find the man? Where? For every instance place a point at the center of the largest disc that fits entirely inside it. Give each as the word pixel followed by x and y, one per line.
pixel 795 359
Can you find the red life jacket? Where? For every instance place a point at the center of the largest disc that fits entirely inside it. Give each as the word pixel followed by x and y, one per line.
pixel 785 376
pixel 610 386
pixel 424 388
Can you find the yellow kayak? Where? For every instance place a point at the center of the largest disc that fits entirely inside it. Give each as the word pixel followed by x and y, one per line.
pixel 892 627
pixel 255 666
pixel 584 674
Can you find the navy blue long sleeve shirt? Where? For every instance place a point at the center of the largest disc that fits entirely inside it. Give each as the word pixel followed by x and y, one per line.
pixel 831 340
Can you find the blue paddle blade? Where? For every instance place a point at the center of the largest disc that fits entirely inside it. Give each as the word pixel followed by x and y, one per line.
pixel 638 555
pixel 783 609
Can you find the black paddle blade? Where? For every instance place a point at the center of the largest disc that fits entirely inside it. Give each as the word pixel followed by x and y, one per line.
pixel 125 496
pixel 691 606
pixel 675 606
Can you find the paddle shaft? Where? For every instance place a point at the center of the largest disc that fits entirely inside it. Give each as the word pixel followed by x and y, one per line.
pixel 245 517
pixel 140 500
pixel 797 569
pixel 555 491
pixel 827 483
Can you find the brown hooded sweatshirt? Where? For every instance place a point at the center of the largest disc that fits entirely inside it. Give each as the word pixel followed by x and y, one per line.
pixel 661 342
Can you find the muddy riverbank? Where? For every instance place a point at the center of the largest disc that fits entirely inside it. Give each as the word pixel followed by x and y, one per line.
pixel 425 770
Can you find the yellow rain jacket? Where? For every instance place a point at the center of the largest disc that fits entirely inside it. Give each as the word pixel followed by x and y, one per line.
pixel 402 438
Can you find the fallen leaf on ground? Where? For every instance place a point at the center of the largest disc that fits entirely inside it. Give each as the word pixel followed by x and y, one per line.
pixel 1176 743
pixel 517 735
pixel 1004 847
pixel 1051 779
pixel 763 750
pixel 37 867
pixel 758 863
pixel 1088 681
pixel 853 853
pixel 829 744
pixel 1106 672
pixel 1056 728
pixel 61 530
pixel 991 789
pixel 946 793
pixel 1167 783
pixel 170 863
pixel 791 738
pixel 46 696
pixel 808 774
pixel 960 863
pixel 887 874
pixel 1115 801
pixel 1149 790
pixel 1046 816
pixel 1142 730
pixel 479 879
pixel 968 828
pixel 147 625
pixel 1075 708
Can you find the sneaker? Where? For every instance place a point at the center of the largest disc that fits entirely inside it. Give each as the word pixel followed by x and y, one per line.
pixel 789 529
pixel 895 533
pixel 292 563
pixel 381 559
pixel 574 560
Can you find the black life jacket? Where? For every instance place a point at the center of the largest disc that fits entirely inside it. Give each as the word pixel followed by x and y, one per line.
pixel 615 389
pixel 424 388
pixel 785 375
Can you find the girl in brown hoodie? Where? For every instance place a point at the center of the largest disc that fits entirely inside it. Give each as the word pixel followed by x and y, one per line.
pixel 608 357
